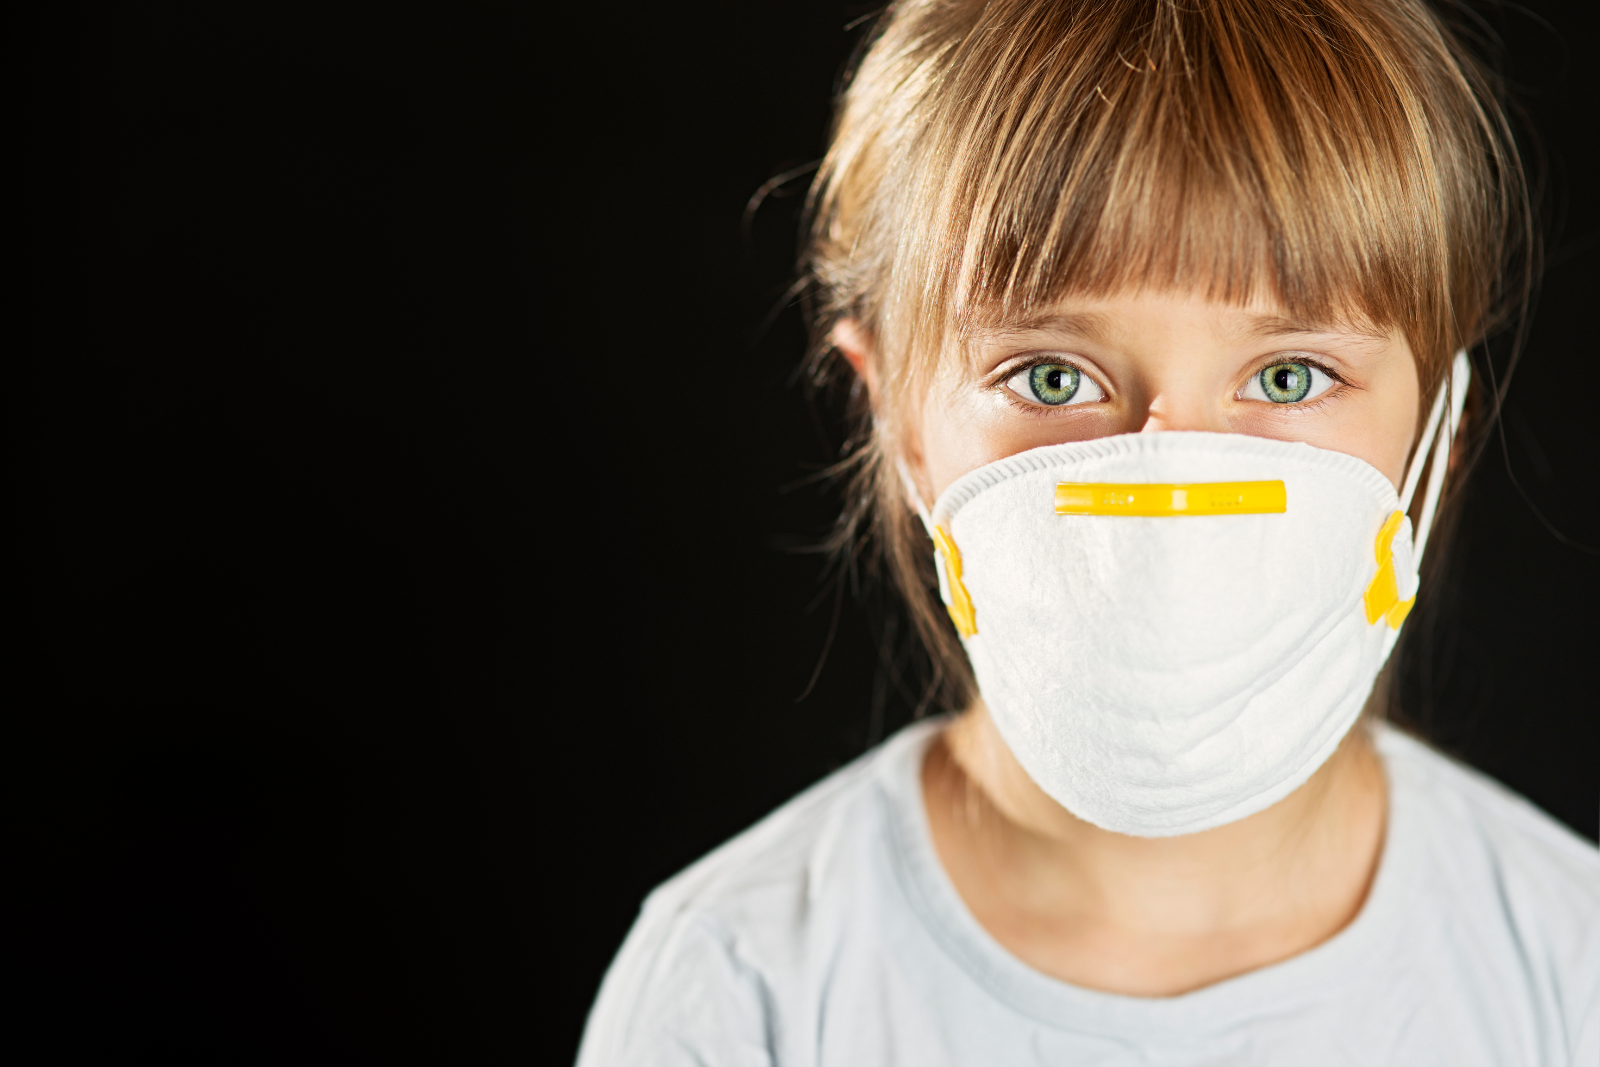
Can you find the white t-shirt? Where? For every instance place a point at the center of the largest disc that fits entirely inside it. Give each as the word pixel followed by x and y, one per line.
pixel 829 934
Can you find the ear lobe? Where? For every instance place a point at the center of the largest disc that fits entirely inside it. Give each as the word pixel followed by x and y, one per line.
pixel 855 345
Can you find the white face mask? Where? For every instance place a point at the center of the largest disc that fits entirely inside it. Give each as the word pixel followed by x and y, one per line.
pixel 1173 631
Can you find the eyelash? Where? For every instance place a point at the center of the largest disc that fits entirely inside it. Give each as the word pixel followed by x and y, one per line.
pixel 1042 410
pixel 1314 403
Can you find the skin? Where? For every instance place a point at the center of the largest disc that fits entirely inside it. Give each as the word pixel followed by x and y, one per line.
pixel 1152 916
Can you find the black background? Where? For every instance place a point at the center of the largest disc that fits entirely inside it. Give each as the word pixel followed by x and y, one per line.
pixel 410 492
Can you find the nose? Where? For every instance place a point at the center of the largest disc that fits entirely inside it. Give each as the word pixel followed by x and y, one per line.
pixel 1173 410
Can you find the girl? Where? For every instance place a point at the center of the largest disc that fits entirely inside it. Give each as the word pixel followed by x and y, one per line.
pixel 1155 307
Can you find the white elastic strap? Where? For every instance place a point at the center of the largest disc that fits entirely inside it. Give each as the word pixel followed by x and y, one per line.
pixel 1460 376
pixel 1414 475
pixel 915 495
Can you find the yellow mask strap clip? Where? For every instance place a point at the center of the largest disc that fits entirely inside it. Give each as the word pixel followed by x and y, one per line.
pixel 1382 598
pixel 960 606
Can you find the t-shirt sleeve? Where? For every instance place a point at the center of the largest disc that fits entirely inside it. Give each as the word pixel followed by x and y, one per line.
pixel 678 995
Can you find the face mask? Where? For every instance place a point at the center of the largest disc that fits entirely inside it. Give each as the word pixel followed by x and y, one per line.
pixel 1173 631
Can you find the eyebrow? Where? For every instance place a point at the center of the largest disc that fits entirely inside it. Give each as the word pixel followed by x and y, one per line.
pixel 1281 325
pixel 1089 325
pixel 1096 327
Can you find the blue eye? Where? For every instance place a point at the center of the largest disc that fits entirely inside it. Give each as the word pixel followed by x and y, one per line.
pixel 1055 385
pixel 1288 382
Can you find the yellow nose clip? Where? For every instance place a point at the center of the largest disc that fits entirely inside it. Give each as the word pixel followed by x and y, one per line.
pixel 1382 597
pixel 1154 499
pixel 960 606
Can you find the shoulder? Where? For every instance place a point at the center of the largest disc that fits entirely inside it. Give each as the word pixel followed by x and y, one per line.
pixel 750 925
pixel 1483 822
pixel 800 847
pixel 1516 893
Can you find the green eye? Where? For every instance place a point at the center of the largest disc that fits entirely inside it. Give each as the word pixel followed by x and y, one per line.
pixel 1286 383
pixel 1053 383
pixel 1056 385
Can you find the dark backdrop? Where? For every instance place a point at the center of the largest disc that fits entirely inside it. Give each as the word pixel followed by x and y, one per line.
pixel 412 479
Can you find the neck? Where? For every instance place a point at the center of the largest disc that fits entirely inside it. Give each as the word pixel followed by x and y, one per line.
pixel 1151 916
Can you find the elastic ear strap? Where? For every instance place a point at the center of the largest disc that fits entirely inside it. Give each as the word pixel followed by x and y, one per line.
pixel 1460 377
pixel 915 495
pixel 1414 475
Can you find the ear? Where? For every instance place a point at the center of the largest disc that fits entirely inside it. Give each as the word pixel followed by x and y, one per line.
pixel 856 346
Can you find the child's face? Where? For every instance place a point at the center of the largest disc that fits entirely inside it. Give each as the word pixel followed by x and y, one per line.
pixel 1152 361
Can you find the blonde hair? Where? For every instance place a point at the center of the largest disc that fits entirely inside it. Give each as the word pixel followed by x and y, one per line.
pixel 992 156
